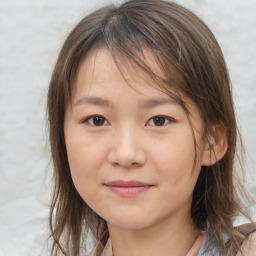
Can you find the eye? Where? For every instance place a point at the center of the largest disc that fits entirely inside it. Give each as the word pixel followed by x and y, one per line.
pixel 159 121
pixel 96 121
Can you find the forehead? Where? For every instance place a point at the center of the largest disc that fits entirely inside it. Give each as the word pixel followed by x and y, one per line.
pixel 102 75
pixel 99 67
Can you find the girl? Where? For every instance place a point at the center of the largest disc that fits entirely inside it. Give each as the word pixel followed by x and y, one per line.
pixel 143 137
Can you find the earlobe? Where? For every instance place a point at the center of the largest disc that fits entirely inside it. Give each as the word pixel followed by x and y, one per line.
pixel 216 146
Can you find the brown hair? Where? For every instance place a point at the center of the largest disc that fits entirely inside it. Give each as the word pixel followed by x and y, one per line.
pixel 193 64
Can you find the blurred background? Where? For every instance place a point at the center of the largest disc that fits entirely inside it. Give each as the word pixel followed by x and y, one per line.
pixel 31 34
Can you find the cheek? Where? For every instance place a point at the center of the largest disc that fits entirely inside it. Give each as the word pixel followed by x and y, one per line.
pixel 84 166
pixel 175 155
pixel 175 161
pixel 83 161
pixel 85 157
pixel 83 150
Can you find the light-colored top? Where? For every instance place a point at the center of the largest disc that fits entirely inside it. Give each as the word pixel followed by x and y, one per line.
pixel 213 250
pixel 248 248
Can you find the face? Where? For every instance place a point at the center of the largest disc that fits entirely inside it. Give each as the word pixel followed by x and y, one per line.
pixel 130 146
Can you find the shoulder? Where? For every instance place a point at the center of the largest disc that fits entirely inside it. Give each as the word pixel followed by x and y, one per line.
pixel 248 247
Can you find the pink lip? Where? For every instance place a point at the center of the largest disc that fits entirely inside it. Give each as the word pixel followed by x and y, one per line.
pixel 127 188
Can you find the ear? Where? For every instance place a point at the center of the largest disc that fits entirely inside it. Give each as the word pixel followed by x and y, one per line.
pixel 216 146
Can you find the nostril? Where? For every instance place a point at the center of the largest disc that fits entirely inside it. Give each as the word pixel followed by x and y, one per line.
pixel 134 164
pixel 124 157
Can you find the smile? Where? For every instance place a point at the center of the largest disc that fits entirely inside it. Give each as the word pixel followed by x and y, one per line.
pixel 127 188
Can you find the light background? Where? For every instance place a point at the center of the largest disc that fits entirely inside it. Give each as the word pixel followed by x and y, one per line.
pixel 31 34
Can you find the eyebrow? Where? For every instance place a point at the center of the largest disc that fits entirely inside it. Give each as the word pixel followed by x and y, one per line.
pixel 92 100
pixel 150 103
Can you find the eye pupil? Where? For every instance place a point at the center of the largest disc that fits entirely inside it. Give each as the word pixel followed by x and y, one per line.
pixel 98 120
pixel 158 121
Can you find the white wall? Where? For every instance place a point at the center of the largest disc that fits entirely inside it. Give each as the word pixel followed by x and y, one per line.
pixel 31 33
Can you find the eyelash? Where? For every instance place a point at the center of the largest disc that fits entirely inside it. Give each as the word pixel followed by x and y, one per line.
pixel 166 118
pixel 90 119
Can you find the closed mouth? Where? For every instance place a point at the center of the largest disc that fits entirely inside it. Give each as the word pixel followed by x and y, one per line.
pixel 127 188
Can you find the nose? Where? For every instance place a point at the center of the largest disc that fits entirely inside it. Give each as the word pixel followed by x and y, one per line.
pixel 127 149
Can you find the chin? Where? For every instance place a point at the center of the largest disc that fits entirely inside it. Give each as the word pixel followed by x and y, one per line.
pixel 130 222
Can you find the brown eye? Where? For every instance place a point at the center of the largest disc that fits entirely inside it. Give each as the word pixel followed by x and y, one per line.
pixel 96 121
pixel 159 121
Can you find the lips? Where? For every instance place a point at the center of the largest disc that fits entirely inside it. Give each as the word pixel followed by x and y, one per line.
pixel 127 188
pixel 132 183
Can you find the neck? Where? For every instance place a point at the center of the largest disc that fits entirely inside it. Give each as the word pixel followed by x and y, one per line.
pixel 167 238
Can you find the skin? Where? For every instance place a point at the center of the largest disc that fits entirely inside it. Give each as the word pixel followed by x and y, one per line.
pixel 128 145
